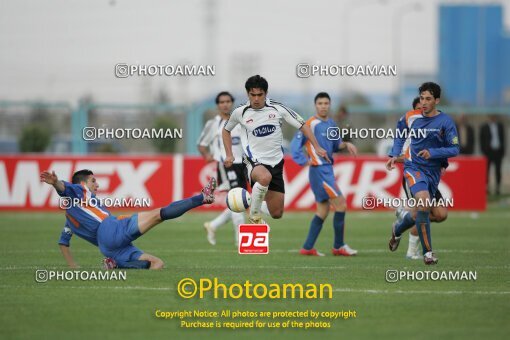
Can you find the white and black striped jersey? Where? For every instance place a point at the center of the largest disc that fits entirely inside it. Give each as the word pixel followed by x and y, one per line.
pixel 262 135
pixel 211 137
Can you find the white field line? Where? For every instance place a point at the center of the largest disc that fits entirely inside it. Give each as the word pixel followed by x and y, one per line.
pixel 193 267
pixel 188 267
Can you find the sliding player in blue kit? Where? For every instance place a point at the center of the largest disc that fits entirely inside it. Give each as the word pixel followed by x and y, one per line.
pixel 433 140
pixel 322 177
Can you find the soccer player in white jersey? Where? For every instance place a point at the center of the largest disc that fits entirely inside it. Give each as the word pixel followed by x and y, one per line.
pixel 210 146
pixel 261 120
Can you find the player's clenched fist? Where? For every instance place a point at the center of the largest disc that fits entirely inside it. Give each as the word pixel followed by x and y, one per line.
pixel 47 177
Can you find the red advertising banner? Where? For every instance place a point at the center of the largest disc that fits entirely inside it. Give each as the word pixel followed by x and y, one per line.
pixel 163 179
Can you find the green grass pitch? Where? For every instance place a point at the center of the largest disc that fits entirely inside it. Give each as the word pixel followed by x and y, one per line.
pixel 125 309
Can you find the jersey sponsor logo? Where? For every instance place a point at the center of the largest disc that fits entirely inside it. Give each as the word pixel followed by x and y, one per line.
pixel 264 130
pixel 253 239
pixel 430 130
pixel 249 121
pixel 272 115
pixel 455 140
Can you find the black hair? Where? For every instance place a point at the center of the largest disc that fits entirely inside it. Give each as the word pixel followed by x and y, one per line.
pixel 256 82
pixel 415 102
pixel 433 88
pixel 321 95
pixel 81 176
pixel 224 93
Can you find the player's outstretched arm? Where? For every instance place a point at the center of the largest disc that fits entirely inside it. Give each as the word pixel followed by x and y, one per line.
pixel 52 179
pixel 353 150
pixel 296 149
pixel 451 145
pixel 205 140
pixel 227 137
pixel 318 149
pixel 66 252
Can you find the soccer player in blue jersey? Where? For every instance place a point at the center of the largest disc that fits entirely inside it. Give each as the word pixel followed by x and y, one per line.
pixel 423 160
pixel 113 235
pixel 322 177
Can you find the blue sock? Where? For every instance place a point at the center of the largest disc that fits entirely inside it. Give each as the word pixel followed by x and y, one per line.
pixel 423 226
pixel 136 264
pixel 338 226
pixel 313 233
pixel 177 208
pixel 406 223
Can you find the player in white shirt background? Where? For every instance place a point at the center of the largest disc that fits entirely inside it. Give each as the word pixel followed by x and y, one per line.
pixel 210 146
pixel 261 120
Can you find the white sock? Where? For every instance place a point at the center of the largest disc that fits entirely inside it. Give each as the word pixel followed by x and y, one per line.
pixel 413 244
pixel 237 219
pixel 258 193
pixel 221 219
pixel 264 208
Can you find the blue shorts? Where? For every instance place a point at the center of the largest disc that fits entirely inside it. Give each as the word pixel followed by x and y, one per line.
pixel 323 183
pixel 422 178
pixel 115 237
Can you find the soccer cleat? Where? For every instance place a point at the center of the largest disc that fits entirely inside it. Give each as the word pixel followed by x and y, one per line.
pixel 109 263
pixel 236 235
pixel 256 220
pixel 310 252
pixel 394 241
pixel 211 233
pixel 208 191
pixel 430 258
pixel 344 250
pixel 223 186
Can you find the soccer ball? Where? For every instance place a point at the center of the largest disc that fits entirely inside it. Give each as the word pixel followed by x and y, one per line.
pixel 238 199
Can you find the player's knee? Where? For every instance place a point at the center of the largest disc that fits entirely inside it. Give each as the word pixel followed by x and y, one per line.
pixel 322 215
pixel 277 214
pixel 339 204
